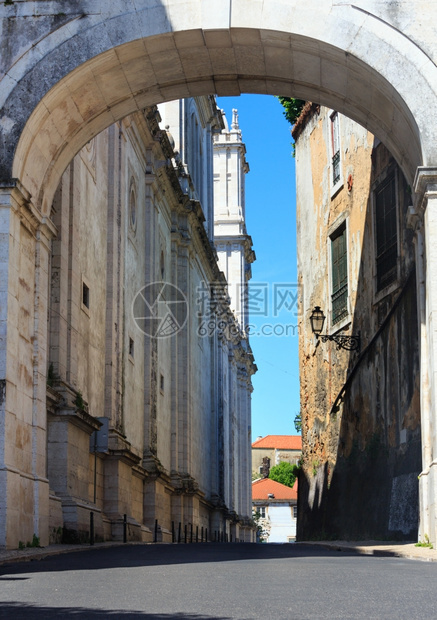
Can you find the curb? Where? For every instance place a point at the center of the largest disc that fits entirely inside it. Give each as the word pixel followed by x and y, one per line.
pixel 40 553
pixel 373 551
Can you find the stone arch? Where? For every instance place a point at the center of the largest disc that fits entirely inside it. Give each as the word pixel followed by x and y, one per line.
pixel 67 76
pixel 94 69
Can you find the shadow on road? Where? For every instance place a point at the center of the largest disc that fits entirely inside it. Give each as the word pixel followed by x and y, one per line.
pixel 20 611
pixel 132 556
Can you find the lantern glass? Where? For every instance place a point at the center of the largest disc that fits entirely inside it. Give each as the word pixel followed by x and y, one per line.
pixel 317 319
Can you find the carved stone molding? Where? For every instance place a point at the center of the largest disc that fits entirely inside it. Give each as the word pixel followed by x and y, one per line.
pixel 184 484
pixel 425 184
pixel 21 201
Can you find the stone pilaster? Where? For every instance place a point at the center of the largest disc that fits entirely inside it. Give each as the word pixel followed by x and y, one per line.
pixel 24 258
pixel 425 210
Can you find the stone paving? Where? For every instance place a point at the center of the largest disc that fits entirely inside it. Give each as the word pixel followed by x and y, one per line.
pixel 376 548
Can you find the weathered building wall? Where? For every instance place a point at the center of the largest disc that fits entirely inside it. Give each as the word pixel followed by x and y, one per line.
pixel 360 409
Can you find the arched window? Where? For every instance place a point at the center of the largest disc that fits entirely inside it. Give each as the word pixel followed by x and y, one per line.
pixel 132 206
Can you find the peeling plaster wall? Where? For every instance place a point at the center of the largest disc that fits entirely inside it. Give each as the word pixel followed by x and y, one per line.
pixel 361 451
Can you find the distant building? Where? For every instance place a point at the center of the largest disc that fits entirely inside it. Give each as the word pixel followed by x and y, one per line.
pixel 277 505
pixel 277 448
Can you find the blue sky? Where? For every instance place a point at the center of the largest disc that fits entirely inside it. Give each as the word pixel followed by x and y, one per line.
pixel 271 221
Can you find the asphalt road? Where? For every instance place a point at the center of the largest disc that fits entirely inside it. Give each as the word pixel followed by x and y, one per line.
pixel 218 582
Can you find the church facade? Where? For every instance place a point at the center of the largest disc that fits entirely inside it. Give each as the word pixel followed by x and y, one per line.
pixel 149 368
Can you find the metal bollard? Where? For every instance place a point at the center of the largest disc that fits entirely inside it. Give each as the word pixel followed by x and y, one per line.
pixel 197 533
pixel 191 532
pixel 124 528
pixel 179 532
pixel 201 535
pixel 185 532
pixel 155 537
pixel 91 528
pixel 206 535
pixel 172 532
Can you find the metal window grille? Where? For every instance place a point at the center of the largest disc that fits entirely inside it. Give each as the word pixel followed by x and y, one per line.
pixel 339 276
pixel 336 167
pixel 386 233
pixel 335 145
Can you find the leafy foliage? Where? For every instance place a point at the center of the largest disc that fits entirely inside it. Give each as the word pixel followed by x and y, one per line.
pixel 292 108
pixel 298 422
pixel 285 473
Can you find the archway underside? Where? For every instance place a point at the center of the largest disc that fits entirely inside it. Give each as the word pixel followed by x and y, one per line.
pixel 148 71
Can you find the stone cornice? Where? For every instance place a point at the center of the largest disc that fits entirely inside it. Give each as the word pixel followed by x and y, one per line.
pixel 29 215
pixel 80 418
pixel 121 449
pixel 209 112
pixel 425 183
pixel 184 484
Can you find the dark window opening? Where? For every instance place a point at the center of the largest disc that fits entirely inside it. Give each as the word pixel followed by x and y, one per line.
pixel 85 295
pixel 131 347
pixel 339 275
pixel 386 233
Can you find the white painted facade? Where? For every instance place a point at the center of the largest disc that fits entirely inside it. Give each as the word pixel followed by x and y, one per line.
pixel 282 523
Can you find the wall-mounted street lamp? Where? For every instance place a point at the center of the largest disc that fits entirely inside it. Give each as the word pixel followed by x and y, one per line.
pixel 317 319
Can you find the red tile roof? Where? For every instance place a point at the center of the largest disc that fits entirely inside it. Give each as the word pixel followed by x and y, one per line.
pixel 261 489
pixel 280 442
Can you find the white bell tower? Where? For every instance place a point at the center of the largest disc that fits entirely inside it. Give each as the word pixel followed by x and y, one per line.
pixel 233 244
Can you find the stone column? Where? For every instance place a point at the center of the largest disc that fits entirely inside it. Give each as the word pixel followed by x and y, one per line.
pixel 425 186
pixel 24 257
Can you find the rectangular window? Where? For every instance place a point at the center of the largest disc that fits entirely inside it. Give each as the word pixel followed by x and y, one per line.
pixel 131 347
pixel 262 511
pixel 339 275
pixel 386 232
pixel 335 142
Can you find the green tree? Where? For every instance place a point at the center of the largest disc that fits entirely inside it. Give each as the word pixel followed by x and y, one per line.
pixel 298 422
pixel 292 108
pixel 285 473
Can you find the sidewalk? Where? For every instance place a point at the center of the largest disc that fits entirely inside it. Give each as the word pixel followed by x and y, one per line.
pixel 374 547
pixel 8 556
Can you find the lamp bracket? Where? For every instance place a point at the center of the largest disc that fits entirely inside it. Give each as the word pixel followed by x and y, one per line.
pixel 350 343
